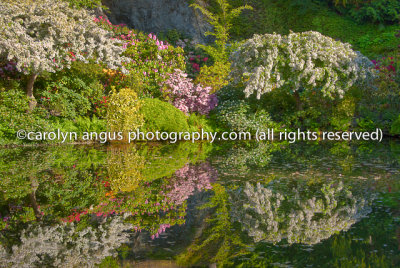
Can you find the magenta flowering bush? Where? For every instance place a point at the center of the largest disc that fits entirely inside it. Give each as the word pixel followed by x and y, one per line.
pixel 187 97
pixel 390 64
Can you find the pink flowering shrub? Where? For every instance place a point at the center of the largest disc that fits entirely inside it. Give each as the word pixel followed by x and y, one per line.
pixel 150 58
pixel 187 97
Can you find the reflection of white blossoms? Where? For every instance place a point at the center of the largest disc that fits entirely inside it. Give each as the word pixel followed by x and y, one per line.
pixel 271 216
pixel 63 245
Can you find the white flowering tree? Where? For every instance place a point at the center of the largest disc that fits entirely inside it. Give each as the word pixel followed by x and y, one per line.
pixel 298 61
pixel 48 35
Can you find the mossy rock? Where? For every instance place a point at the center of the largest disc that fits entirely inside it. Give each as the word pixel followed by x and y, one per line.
pixel 162 116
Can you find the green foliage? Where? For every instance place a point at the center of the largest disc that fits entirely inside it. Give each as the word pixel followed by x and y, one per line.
pixel 214 76
pixel 14 116
pixel 343 113
pixel 238 115
pixel 172 36
pixel 90 4
pixel 198 122
pixel 277 110
pixel 395 128
pixel 80 125
pixel 123 111
pixel 380 102
pixel 222 22
pixel 110 262
pixel 61 98
pixel 73 92
pixel 271 16
pixel 377 11
pixel 162 116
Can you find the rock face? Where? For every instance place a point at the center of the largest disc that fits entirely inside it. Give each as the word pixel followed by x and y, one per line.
pixel 159 16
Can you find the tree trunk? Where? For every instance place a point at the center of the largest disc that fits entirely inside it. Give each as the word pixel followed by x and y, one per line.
pixel 299 105
pixel 29 92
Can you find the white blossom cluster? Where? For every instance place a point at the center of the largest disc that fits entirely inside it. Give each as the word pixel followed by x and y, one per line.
pixel 296 61
pixel 65 246
pixel 272 216
pixel 47 35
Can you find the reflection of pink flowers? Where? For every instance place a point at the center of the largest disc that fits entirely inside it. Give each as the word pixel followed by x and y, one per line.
pixel 190 179
pixel 160 230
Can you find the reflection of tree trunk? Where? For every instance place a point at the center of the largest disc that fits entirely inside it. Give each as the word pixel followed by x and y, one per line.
pixel 38 213
pixel 29 91
pixel 32 196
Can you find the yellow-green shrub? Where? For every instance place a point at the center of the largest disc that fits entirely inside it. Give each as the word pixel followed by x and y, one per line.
pixel 122 111
pixel 215 76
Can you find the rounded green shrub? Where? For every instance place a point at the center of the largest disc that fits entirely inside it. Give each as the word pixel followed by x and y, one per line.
pixel 162 116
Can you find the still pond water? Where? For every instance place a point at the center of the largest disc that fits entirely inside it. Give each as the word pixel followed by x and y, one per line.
pixel 185 205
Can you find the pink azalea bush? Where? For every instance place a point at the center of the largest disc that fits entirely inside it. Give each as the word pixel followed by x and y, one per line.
pixel 187 97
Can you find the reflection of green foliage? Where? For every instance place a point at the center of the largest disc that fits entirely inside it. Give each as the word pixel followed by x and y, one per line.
pixel 75 190
pixel 164 160
pixel 244 157
pixel 18 168
pixel 51 180
pixel 395 149
pixel 147 207
pixel 218 242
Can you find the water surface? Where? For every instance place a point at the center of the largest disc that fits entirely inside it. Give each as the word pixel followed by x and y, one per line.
pixel 183 205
